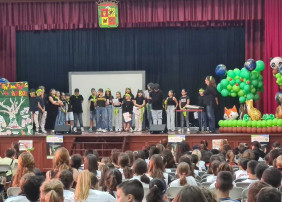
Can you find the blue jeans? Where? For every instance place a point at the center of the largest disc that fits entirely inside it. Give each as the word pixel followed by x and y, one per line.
pixel 109 119
pixel 78 117
pixel 184 118
pixel 202 118
pixel 211 118
pixel 101 117
pixel 149 114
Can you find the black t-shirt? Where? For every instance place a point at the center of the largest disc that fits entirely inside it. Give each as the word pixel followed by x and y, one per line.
pixel 139 100
pixel 41 101
pixel 33 104
pixel 69 106
pixel 100 101
pixel 209 96
pixel 157 100
pixel 170 101
pixel 91 99
pixel 127 106
pixel 183 100
pixel 76 102
pixel 120 100
pixel 109 99
pixel 201 101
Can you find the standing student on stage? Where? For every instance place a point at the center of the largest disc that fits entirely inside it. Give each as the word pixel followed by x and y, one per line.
pixel 128 91
pixel 91 100
pixel 109 108
pixel 61 117
pixel 76 102
pixel 127 107
pixel 157 104
pixel 69 114
pixel 184 116
pixel 202 115
pixel 170 107
pixel 149 103
pixel 42 114
pixel 101 113
pixel 33 103
pixel 54 104
pixel 139 104
pixel 211 101
pixel 117 117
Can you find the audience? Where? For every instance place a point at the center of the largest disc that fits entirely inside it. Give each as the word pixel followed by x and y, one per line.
pixel 190 194
pixel 130 191
pixel 157 191
pixel 76 162
pixel 260 168
pixel 224 184
pixel 113 178
pixel 242 174
pixel 52 191
pixel 91 164
pixel 214 166
pixel 168 159
pixel 268 194
pixel 185 176
pixel 124 164
pixel 66 178
pixel 279 163
pixel 272 176
pixel 140 172
pixel 230 157
pixel 251 170
pixel 254 189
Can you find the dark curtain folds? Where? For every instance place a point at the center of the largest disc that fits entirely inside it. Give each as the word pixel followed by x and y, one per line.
pixel 273 48
pixel 175 58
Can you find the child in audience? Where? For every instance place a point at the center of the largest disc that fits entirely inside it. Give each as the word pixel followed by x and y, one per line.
pixel 109 109
pixel 214 166
pixel 66 178
pixel 184 173
pixel 130 191
pixel 52 190
pixel 113 178
pixel 242 173
pixel 10 159
pixel 69 114
pixel 114 157
pixel 202 115
pixel 224 186
pixel 190 194
pixel 91 164
pixel 251 167
pixel 117 117
pixel 84 191
pixel 268 194
pixel 279 163
pixel 157 191
pixel 42 113
pixel 127 108
pixel 91 101
pixel 123 162
pixel 224 166
pixel 33 108
pixel 183 101
pixel 254 189
pixel 76 162
pixel 201 164
pixel 101 111
pixel 168 159
pixel 140 170
pixel 230 157
pixel 272 176
pixel 76 102
pixel 170 107
pixel 139 104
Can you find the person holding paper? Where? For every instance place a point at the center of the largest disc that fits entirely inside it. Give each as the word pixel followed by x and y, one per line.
pixel 127 108
pixel 139 103
pixel 117 117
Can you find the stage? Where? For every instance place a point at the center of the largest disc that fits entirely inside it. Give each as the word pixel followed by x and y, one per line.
pixel 105 142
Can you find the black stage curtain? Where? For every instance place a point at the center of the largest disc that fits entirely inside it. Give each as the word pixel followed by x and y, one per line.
pixel 175 58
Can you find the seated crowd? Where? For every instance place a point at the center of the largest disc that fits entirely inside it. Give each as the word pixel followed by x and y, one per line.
pixel 201 175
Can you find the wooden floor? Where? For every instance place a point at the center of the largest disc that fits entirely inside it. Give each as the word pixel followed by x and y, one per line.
pixel 105 142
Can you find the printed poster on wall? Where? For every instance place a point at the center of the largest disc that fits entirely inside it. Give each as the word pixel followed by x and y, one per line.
pixel 25 145
pixel 108 13
pixel 216 143
pixel 53 143
pixel 173 140
pixel 15 118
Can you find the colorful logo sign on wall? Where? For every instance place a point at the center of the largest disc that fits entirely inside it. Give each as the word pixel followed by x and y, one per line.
pixel 15 118
pixel 108 13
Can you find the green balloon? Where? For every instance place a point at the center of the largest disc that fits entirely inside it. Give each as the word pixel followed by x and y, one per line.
pixel 239 123
pixel 263 123
pixel 249 124
pixel 229 87
pixel 260 84
pixel 224 93
pixel 245 73
pixel 259 66
pixel 233 94
pixel 254 123
pixel 255 82
pixel 247 88
pixel 232 83
pixel 242 85
pixel 250 96
pixel 278 75
pixel 241 93
pixel 275 122
pixel 242 99
pixel 236 88
pixel 279 122
pixel 253 90
pixel 219 88
pixel 231 73
pixel 224 83
pixel 244 123
pixel 256 97
pixel 220 123
pixel 269 123
pixel 260 78
pixel 259 124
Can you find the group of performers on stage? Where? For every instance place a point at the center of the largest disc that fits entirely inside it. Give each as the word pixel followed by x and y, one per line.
pixel 120 113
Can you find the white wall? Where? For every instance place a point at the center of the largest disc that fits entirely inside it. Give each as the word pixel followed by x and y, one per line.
pixel 115 80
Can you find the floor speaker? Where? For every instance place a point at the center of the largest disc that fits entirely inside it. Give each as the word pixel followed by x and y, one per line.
pixel 63 129
pixel 157 129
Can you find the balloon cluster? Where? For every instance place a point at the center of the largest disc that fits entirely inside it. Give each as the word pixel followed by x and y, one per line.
pixel 244 83
pixel 276 65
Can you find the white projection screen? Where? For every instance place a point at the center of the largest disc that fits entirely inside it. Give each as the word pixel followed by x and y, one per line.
pixel 115 80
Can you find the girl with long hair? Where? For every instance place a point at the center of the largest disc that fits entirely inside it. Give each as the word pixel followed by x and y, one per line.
pixel 157 191
pixel 25 165
pixel 211 101
pixel 190 194
pixel 140 170
pixel 109 109
pixel 52 191
pixel 123 162
pixel 112 179
pixel 185 176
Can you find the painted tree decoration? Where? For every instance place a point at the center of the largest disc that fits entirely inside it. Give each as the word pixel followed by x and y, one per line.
pixel 15 117
pixel 244 83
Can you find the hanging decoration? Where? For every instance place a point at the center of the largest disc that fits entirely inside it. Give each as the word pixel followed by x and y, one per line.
pixel 108 13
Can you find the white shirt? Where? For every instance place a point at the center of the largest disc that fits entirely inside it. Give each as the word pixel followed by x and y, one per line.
pixel 201 165
pixel 139 179
pixel 211 178
pixel 250 181
pixel 212 186
pixel 68 196
pixel 190 181
pixel 95 195
pixel 241 174
pixel 17 199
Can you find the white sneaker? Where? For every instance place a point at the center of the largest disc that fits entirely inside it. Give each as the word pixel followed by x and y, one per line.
pixel 52 131
pixel 82 129
pixel 104 130
pixel 131 130
pixel 139 130
pixel 44 131
pixel 74 129
pixel 188 129
pixel 99 130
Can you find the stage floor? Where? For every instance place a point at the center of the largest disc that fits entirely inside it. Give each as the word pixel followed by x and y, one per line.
pixel 105 142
